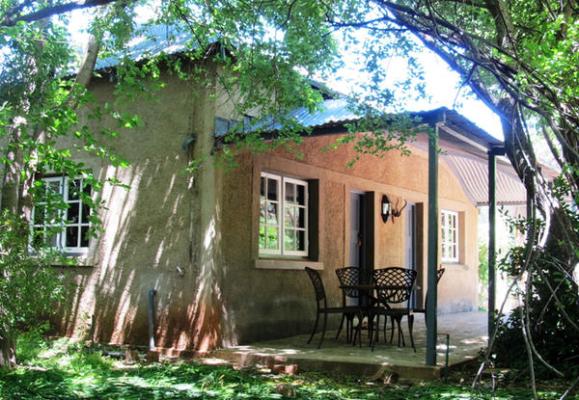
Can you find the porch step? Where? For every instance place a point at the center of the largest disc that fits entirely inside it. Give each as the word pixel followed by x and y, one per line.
pixel 244 358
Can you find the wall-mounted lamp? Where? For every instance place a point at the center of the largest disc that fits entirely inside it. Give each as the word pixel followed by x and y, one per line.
pixel 385 208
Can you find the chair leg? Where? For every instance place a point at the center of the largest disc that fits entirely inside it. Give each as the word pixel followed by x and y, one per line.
pixel 384 327
pixel 400 334
pixel 348 329
pixel 341 325
pixel 410 326
pixel 391 329
pixel 315 328
pixel 358 332
pixel 370 329
pixel 323 330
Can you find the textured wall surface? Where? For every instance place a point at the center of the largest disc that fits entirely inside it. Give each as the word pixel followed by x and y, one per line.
pixel 277 302
pixel 150 237
pixel 147 227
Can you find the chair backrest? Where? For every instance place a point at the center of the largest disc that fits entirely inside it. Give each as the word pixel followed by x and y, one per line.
pixel 394 285
pixel 318 285
pixel 349 276
pixel 439 274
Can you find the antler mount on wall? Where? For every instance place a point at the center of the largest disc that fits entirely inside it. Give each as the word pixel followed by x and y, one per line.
pixel 388 210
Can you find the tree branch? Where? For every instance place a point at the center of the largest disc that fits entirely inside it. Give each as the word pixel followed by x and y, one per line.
pixel 54 10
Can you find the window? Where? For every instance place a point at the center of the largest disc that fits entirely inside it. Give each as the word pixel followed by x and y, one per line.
pixel 449 224
pixel 283 216
pixel 66 224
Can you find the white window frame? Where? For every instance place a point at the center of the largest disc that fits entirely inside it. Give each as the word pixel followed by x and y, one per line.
pixel 64 224
pixel 278 179
pixel 450 231
pixel 281 181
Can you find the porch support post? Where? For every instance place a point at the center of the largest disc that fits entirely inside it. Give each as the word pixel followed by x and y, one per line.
pixel 431 329
pixel 492 236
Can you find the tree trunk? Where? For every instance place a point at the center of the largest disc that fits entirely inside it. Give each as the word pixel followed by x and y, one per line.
pixel 208 303
pixel 17 179
pixel 7 350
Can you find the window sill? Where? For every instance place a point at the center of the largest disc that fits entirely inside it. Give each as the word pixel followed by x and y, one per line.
pixel 457 264
pixel 78 259
pixel 287 264
pixel 73 265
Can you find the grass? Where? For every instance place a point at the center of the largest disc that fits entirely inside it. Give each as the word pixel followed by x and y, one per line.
pixel 64 370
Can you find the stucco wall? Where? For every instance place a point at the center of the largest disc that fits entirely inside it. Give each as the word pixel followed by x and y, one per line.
pixel 150 230
pixel 146 239
pixel 275 302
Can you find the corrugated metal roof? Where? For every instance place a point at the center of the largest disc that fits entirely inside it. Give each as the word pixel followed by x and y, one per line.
pixel 151 41
pixel 334 112
pixel 330 112
pixel 338 111
pixel 473 175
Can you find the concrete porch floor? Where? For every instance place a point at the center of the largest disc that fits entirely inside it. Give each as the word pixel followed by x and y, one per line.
pixel 467 336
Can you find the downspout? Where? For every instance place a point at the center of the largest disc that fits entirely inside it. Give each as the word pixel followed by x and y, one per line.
pixel 151 318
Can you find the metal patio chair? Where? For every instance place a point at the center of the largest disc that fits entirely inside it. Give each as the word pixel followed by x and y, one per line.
pixel 322 305
pixel 348 276
pixel 394 286
pixel 439 274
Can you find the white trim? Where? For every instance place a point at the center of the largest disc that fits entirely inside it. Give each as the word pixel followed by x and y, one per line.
pixel 287 264
pixel 464 139
pixel 281 202
pixel 279 184
pixel 296 182
pixel 64 182
pixel 450 230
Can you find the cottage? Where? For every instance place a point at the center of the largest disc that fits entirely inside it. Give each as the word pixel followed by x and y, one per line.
pixel 216 258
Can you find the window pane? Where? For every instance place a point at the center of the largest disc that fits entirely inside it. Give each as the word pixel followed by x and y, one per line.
pixel 272 189
pixel 290 216
pixel 53 187
pixel 72 214
pixel 262 241
pixel 272 214
pixel 301 217
pixel 38 237
pixel 262 212
pixel 73 189
pixel 262 186
pixel 301 195
pixel 272 239
pixel 86 188
pixel 85 213
pixel 39 215
pixel 52 216
pixel 290 192
pixel 290 240
pixel 51 237
pixel 72 236
pixel 301 238
pixel 84 236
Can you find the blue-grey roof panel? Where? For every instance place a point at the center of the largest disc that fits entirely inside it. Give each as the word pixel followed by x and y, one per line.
pixel 150 42
pixel 331 111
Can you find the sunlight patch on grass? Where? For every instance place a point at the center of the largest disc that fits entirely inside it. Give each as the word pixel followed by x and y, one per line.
pixel 66 370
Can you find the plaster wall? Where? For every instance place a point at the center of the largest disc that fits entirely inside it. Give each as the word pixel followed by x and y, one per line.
pixel 146 227
pixel 151 237
pixel 274 298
